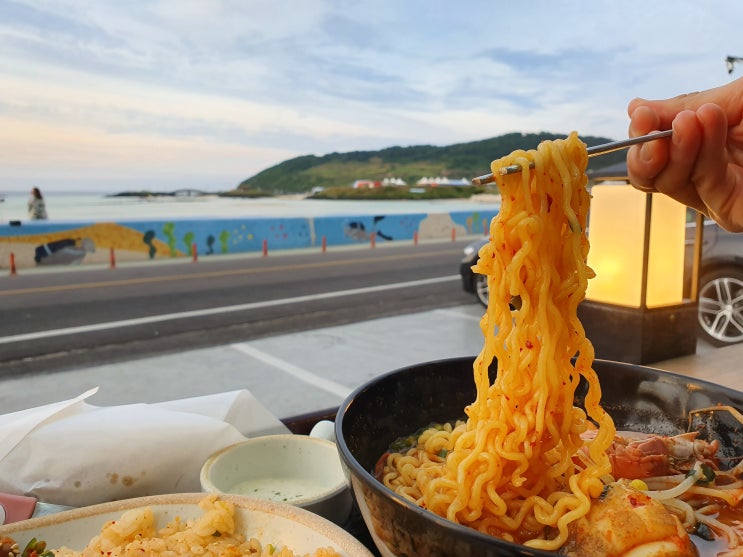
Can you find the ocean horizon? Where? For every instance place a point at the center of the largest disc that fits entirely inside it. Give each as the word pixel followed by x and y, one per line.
pixel 97 207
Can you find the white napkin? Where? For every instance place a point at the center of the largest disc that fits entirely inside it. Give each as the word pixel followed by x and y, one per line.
pixel 73 453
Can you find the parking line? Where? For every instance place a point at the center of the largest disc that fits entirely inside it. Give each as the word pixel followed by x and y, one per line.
pixel 459 314
pixel 295 371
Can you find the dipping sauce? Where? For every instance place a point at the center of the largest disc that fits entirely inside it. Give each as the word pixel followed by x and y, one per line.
pixel 284 490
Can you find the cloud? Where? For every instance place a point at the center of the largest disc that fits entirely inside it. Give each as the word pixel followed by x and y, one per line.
pixel 249 83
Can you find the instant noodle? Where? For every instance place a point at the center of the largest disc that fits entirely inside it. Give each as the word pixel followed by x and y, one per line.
pixel 508 470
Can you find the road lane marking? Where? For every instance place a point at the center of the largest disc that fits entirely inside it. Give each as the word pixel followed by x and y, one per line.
pixel 459 314
pixel 215 274
pixel 219 310
pixel 295 371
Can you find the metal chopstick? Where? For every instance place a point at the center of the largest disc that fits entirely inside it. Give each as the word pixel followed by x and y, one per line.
pixel 592 152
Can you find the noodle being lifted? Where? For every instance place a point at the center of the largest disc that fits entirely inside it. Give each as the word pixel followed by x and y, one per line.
pixel 511 469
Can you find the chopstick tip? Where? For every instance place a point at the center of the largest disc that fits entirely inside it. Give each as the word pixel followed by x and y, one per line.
pixel 483 180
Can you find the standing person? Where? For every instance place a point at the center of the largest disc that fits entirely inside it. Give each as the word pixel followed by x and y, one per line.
pixel 36 205
pixel 702 164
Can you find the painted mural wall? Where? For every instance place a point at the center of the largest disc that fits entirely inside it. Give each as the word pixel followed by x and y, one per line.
pixel 39 243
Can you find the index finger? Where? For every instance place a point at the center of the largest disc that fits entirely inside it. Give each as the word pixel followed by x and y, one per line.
pixel 646 161
pixel 727 96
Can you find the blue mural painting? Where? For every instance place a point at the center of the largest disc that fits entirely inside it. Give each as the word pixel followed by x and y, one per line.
pixel 33 243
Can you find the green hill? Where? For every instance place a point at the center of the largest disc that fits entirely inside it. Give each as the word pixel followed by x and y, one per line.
pixel 301 174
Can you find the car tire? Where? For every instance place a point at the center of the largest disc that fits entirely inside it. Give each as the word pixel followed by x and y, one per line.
pixel 721 306
pixel 480 287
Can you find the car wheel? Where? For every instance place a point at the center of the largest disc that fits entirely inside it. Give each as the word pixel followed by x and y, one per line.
pixel 481 288
pixel 721 306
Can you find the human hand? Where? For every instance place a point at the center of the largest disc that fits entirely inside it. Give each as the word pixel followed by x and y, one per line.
pixel 702 164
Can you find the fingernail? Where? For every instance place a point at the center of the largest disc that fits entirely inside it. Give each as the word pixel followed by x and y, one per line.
pixel 674 136
pixel 645 154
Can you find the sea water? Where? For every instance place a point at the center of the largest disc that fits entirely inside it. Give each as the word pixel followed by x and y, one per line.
pixel 96 207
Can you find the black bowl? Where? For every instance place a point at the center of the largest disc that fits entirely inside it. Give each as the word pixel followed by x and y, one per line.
pixel 398 403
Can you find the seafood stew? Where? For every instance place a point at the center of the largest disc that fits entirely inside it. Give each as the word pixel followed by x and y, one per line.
pixel 639 399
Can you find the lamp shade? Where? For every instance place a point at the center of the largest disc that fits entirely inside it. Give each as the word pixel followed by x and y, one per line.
pixel 637 247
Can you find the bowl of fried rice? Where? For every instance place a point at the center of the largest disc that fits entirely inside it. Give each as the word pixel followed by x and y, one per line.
pixel 185 524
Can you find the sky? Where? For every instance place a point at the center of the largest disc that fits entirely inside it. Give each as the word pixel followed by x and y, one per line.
pixel 105 95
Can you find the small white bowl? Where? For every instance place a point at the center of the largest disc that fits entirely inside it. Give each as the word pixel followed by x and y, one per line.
pixel 296 469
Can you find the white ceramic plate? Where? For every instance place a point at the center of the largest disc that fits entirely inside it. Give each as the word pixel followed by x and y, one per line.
pixel 270 522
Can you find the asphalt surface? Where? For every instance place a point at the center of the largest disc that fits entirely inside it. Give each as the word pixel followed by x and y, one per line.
pixel 296 353
pixel 290 374
pixel 62 320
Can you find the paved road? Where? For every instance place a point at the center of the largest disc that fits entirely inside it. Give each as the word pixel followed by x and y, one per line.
pixel 290 374
pixel 293 372
pixel 54 321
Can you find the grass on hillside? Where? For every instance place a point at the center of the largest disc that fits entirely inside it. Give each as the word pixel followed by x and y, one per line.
pixel 399 192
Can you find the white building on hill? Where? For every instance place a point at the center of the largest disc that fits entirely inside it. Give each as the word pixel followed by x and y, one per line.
pixel 379 183
pixel 442 181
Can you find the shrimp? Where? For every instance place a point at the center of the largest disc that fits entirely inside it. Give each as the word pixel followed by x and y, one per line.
pixel 625 522
pixel 638 456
